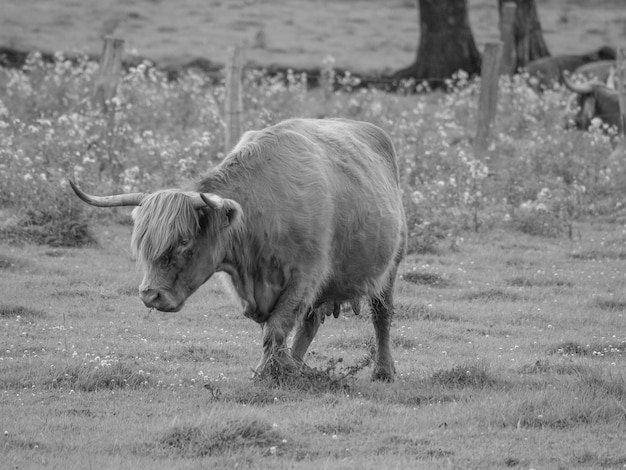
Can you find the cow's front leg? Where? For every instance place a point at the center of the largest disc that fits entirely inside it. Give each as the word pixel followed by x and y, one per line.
pixel 275 332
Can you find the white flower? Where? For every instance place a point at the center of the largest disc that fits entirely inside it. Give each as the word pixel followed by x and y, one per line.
pixel 417 197
pixel 544 194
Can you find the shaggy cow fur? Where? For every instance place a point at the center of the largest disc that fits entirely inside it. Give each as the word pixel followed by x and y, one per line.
pixel 301 215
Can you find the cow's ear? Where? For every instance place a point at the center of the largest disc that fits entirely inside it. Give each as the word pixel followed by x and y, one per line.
pixel 229 210
pixel 135 213
pixel 232 212
pixel 589 108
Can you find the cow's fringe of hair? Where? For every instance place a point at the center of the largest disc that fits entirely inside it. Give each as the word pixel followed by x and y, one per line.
pixel 162 221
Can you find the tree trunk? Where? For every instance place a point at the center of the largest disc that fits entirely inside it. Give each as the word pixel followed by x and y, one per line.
pixel 446 43
pixel 529 43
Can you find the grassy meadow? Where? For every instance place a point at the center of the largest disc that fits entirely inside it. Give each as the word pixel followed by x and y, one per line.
pixel 510 353
pixel 509 334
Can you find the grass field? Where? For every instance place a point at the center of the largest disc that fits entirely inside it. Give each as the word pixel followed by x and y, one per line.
pixel 509 334
pixel 362 35
pixel 510 353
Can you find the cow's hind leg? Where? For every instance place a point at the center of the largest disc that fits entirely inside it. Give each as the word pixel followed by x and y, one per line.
pixel 382 311
pixel 305 332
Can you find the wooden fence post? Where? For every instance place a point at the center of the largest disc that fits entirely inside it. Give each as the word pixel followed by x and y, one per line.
pixel 233 104
pixel 507 36
pixel 488 99
pixel 621 78
pixel 105 88
pixel 109 73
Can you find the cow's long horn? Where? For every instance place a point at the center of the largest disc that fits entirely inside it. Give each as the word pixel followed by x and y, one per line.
pixel 580 89
pixel 131 199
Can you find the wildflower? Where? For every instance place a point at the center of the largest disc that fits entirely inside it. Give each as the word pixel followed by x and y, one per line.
pixel 417 197
pixel 544 194
pixel 376 108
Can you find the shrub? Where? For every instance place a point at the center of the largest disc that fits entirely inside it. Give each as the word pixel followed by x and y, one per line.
pixel 50 217
pixel 464 375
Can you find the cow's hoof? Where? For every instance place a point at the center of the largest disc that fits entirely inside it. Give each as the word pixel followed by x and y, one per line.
pixel 383 375
pixel 278 364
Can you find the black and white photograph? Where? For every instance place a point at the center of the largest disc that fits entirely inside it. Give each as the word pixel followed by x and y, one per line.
pixel 312 234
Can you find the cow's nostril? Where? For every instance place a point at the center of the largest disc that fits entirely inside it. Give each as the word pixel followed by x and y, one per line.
pixel 149 296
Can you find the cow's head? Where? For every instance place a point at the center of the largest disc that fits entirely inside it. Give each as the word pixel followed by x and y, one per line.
pixel 179 239
pixel 595 100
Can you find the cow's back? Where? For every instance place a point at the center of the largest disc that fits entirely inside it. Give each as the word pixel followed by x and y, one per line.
pixel 323 198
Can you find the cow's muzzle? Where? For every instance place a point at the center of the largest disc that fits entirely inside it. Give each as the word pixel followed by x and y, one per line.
pixel 162 300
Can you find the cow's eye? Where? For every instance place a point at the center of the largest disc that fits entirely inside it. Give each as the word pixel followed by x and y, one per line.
pixel 165 260
pixel 185 247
